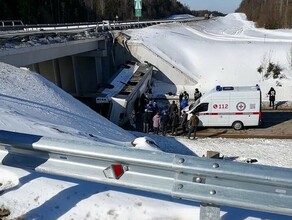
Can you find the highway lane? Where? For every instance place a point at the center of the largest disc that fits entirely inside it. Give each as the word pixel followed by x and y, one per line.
pixel 276 124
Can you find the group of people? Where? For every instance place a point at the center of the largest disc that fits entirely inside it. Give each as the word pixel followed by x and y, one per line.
pixel 168 121
pixel 149 118
pixel 174 118
pixel 184 98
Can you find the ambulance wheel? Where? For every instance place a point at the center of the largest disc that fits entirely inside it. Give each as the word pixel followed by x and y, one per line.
pixel 237 125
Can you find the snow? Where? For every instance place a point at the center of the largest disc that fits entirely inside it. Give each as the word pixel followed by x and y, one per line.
pixel 221 51
pixel 181 16
pixel 226 50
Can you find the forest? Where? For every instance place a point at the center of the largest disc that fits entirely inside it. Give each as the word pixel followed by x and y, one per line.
pixel 270 14
pixel 70 11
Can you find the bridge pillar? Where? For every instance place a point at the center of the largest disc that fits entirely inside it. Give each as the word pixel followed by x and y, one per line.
pixel 57 73
pixel 98 70
pixel 76 76
pixel 36 67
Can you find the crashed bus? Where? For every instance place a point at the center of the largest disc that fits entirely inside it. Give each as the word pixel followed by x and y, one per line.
pixel 117 101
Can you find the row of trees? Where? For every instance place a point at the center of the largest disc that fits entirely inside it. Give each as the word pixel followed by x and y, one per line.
pixel 68 11
pixel 43 11
pixel 124 9
pixel 271 14
pixel 266 13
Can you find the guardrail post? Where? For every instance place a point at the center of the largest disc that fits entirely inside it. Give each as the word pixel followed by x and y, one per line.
pixel 209 212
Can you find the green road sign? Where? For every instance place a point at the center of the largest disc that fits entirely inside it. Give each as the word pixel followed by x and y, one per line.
pixel 138 8
pixel 138 12
pixel 138 4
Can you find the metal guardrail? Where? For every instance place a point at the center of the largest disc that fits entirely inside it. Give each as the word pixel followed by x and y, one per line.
pixel 11 25
pixel 103 25
pixel 210 181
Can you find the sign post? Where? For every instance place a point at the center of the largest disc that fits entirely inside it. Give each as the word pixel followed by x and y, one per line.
pixel 138 8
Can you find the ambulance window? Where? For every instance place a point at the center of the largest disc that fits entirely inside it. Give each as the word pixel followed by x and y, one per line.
pixel 202 107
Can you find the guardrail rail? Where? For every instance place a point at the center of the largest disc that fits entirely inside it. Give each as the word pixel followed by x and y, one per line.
pixel 212 182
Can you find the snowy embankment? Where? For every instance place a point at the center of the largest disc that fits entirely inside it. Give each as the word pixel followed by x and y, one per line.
pixel 31 104
pixel 222 51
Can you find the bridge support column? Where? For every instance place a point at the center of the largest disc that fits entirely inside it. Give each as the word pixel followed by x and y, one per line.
pixel 36 67
pixel 76 77
pixel 98 69
pixel 57 73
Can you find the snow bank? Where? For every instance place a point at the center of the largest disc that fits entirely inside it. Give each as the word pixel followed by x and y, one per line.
pixel 222 51
pixel 33 105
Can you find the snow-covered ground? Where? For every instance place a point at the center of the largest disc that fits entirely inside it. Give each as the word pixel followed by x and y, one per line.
pixel 31 104
pixel 222 51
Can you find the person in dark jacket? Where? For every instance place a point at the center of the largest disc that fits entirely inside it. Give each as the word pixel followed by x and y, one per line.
pixel 197 94
pixel 155 106
pixel 272 97
pixel 172 108
pixel 164 122
pixel 174 123
pixel 184 122
pixel 151 112
pixel 186 96
pixel 193 123
pixel 146 119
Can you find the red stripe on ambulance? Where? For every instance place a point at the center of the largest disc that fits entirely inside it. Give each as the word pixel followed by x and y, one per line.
pixel 231 113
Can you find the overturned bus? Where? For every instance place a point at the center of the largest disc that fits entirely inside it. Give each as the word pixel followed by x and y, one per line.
pixel 116 101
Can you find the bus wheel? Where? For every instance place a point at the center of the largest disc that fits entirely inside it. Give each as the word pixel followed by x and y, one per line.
pixel 237 125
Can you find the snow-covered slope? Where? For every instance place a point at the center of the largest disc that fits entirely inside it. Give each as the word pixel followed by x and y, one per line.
pixel 222 51
pixel 31 104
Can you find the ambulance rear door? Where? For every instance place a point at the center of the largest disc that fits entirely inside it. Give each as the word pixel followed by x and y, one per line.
pixel 246 107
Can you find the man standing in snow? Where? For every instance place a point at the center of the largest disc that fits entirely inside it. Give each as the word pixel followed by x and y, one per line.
pixel 146 119
pixel 197 94
pixel 272 96
pixel 164 123
pixel 172 108
pixel 174 123
pixel 183 121
pixel 193 123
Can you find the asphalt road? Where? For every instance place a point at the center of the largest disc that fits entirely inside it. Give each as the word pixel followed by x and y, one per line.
pixel 276 124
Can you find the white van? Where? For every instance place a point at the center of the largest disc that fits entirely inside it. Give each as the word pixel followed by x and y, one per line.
pixel 237 107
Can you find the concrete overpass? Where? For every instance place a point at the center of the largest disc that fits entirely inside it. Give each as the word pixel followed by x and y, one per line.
pixel 165 70
pixel 76 66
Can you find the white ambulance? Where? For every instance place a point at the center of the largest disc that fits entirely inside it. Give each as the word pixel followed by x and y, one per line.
pixel 237 107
